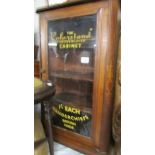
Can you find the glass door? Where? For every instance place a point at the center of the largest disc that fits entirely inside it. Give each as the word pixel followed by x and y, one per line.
pixel 71 56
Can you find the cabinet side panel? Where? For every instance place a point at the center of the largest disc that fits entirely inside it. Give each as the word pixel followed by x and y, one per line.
pixel 98 98
pixel 110 70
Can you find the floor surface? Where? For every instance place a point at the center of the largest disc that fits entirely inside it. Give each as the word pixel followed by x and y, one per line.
pixel 63 150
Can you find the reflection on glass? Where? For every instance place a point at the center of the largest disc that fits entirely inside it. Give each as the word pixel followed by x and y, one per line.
pixel 71 52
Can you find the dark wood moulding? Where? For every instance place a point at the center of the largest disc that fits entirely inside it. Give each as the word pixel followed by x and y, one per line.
pixel 73 75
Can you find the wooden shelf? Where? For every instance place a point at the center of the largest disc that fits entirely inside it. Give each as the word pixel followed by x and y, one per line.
pixel 73 75
pixel 74 100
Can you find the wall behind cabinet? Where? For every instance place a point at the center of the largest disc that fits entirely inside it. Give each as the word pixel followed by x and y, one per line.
pixel 37 4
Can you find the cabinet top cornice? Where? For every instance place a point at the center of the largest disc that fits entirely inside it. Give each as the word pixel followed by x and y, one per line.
pixel 40 10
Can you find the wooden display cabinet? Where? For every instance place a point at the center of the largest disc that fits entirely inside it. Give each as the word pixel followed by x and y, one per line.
pixel 78 53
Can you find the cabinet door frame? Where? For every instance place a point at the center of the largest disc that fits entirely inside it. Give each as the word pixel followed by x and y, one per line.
pixel 103 84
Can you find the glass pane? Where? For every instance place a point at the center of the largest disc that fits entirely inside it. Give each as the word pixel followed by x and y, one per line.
pixel 71 52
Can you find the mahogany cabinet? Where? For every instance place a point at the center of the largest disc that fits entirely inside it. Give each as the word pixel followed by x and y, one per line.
pixel 78 53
